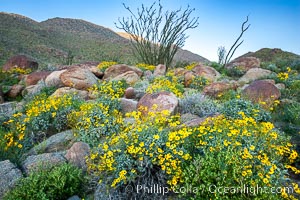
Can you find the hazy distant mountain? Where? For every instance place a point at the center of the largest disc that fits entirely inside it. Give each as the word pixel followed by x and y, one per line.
pixel 50 41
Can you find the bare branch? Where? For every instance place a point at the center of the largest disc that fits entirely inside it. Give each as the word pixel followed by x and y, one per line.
pixel 235 45
pixel 155 35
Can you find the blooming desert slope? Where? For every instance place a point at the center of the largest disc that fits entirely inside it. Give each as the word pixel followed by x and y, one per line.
pixel 115 131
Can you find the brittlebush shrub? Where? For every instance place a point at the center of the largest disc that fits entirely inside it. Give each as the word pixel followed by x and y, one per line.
pixel 96 119
pixel 234 153
pixel 145 152
pixel 105 64
pixel 145 67
pixel 228 152
pixel 41 117
pixel 57 183
pixel 232 107
pixel 170 84
pixel 111 89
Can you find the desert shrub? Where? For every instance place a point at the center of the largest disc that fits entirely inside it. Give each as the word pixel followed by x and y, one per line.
pixel 96 119
pixel 218 67
pixel 289 112
pixel 112 89
pixel 232 107
pixel 145 67
pixel 198 104
pixel 191 66
pixel 236 71
pixel 41 117
pixel 198 83
pixel 171 84
pixel 59 182
pixel 270 66
pixel 292 91
pixel 295 65
pixel 145 152
pixel 235 153
pixel 105 64
pixel 142 86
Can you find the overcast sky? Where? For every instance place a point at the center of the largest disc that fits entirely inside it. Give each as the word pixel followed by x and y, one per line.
pixel 274 23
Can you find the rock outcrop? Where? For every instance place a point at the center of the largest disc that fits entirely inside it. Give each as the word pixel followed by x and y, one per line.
pixel 158 102
pixel 78 78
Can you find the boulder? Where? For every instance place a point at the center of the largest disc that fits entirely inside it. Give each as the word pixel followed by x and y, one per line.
pixel 83 94
pixel 36 162
pixel 77 153
pixel 180 71
pixel 188 78
pixel 15 91
pixel 35 77
pixel 190 120
pixel 34 89
pixel 58 142
pixel 130 93
pixel 53 79
pixel 128 105
pixel 217 88
pixel 130 77
pixel 96 71
pixel 78 78
pixel 7 108
pixel 160 70
pixel 116 70
pixel 261 91
pixel 158 102
pixel 207 72
pixel 20 61
pixel 244 63
pixel 254 74
pixel 10 175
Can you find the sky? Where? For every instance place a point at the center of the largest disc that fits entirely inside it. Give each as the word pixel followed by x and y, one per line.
pixel 274 23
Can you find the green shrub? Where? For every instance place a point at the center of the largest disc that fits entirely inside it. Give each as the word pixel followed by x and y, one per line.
pixel 198 83
pixel 236 71
pixel 55 183
pixel 234 153
pixel 169 83
pixel 197 104
pixel 41 117
pixel 112 89
pixel 96 119
pixel 288 112
pixel 232 107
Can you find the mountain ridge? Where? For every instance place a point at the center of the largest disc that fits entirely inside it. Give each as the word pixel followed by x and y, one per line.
pixel 50 41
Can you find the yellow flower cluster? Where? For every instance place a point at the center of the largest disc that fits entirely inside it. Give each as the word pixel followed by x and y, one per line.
pixel 18 70
pixel 144 66
pixel 105 64
pixel 113 89
pixel 144 142
pixel 191 66
pixel 255 144
pixel 284 75
pixel 164 84
pixel 37 107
